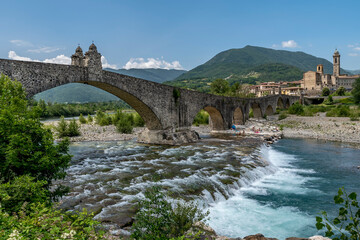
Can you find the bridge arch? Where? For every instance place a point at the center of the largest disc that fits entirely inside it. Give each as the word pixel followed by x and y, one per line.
pixel 216 119
pixel 256 110
pixel 269 111
pixel 287 103
pixel 280 103
pixel 238 116
pixel 152 122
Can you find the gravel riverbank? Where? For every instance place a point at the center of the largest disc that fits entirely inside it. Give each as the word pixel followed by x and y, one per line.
pixel 339 129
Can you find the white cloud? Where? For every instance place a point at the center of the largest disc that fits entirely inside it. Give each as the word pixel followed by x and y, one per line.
pixel 14 56
pixel 353 54
pixel 289 44
pixel 105 63
pixel 21 43
pixel 357 48
pixel 60 59
pixel 152 63
pixel 275 46
pixel 351 45
pixel 44 50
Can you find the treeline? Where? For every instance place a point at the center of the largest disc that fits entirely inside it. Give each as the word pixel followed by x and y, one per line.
pixel 48 110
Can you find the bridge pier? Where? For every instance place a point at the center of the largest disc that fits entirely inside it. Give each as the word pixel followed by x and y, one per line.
pixel 168 137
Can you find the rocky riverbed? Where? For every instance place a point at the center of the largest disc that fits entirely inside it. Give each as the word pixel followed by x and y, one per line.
pixel 340 129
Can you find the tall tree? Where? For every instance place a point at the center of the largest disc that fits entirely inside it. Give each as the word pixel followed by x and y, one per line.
pixel 220 86
pixel 356 90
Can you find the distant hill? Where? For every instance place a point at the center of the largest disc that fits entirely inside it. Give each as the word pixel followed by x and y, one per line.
pixel 354 72
pixel 249 65
pixel 151 74
pixel 77 92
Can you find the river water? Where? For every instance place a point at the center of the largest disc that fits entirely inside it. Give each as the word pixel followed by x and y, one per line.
pixel 248 187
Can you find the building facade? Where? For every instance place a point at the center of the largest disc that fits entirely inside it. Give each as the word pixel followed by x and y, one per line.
pixel 314 82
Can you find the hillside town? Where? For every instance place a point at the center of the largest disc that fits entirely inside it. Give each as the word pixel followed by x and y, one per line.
pixel 312 84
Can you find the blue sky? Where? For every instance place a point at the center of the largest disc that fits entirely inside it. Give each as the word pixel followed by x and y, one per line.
pixel 177 34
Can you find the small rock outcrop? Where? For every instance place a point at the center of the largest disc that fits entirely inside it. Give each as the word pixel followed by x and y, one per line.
pixel 167 137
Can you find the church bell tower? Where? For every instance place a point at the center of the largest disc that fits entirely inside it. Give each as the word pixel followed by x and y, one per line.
pixel 336 63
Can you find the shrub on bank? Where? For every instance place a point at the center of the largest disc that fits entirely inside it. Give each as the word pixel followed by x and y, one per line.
pixel 68 130
pixel 157 219
pixel 282 116
pixel 296 108
pixel 339 111
pixel 201 118
pixel 82 120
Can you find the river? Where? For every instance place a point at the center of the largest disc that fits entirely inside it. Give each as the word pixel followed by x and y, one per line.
pixel 248 187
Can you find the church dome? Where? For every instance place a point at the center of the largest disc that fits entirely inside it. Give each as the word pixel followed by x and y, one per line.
pixel 336 52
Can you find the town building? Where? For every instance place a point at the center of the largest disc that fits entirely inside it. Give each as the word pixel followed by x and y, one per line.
pixel 272 88
pixel 314 82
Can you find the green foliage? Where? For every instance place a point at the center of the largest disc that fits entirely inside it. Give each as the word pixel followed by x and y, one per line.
pixel 339 111
pixel 20 190
pixel 220 86
pixel 176 95
pixel 82 119
pixel 156 218
pixel 282 116
pixel 124 126
pixel 43 222
pixel 356 91
pixel 51 110
pixel 201 118
pixel 340 91
pixel 89 118
pixel 138 121
pixel 346 224
pixel 67 130
pixel 326 91
pixel 296 108
pixel 102 118
pixel 251 113
pixel 26 148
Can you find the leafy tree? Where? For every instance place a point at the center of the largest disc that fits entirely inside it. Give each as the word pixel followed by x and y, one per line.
pixel 82 119
pixel 340 91
pixel 326 92
pixel 296 108
pixel 220 86
pixel 356 90
pixel 346 224
pixel 26 148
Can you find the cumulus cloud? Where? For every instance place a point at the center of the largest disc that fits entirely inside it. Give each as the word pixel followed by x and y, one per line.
pixel 60 59
pixel 357 48
pixel 44 50
pixel 21 43
pixel 105 63
pixel 14 56
pixel 289 44
pixel 152 63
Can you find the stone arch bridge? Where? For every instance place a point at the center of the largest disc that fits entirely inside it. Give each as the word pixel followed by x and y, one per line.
pixel 168 111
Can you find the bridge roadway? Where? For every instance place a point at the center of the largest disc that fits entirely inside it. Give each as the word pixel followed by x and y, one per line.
pixel 163 108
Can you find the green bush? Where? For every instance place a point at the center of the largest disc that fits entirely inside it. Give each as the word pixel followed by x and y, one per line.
pixel 340 91
pixel 43 222
pixel 296 108
pixel 26 148
pixel 282 116
pixel 326 91
pixel 124 126
pixel 346 224
pixel 74 129
pixel 138 121
pixel 67 130
pixel 356 91
pixel 22 190
pixel 201 118
pixel 339 111
pixel 89 119
pixel 82 119
pixel 156 218
pixel 102 119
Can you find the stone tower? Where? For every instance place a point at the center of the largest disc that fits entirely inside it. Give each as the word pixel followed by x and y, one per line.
pixel 77 59
pixel 320 68
pixel 336 63
pixel 93 62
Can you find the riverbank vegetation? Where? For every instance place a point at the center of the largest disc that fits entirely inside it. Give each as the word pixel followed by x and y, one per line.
pixel 30 162
pixel 53 110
